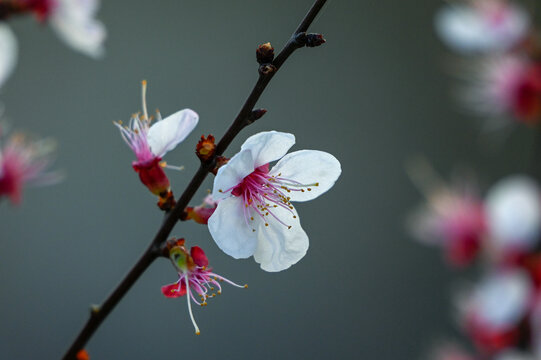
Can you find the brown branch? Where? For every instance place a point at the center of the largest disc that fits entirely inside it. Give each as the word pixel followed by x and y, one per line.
pixel 244 118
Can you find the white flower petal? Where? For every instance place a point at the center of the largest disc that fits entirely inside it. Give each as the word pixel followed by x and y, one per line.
pixel 8 52
pixel 232 173
pixel 502 299
pixel 308 167
pixel 268 146
pixel 229 229
pixel 74 22
pixel 166 134
pixel 513 208
pixel 279 247
pixel 469 29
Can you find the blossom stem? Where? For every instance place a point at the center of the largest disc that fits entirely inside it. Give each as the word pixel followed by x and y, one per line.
pixel 154 251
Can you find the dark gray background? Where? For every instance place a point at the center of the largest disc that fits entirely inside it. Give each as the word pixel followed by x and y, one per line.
pixel 374 95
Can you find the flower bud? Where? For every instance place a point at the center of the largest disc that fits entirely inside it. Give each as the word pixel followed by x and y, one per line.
pixel 309 40
pixel 82 355
pixel 313 40
pixel 220 161
pixel 152 176
pixel 205 148
pixel 265 53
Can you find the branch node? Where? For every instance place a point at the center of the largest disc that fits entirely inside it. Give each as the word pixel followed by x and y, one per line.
pixel 94 309
pixel 267 69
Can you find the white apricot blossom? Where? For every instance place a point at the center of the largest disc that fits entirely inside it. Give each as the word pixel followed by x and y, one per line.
pixel 255 216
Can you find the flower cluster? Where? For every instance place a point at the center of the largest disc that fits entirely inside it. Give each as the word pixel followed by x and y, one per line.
pixel 73 20
pixel 501 65
pixel 24 162
pixel 501 313
pixel 195 278
pixel 151 142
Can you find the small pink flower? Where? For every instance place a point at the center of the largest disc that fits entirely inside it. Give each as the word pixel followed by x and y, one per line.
pixel 504 86
pixel 495 309
pixel 151 142
pixel 453 218
pixel 255 215
pixel 24 162
pixel 194 277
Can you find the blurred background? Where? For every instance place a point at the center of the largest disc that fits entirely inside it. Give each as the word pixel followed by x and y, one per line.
pixel 375 95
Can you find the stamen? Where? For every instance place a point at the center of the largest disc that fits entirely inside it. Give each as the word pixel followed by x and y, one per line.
pixel 144 95
pixel 197 332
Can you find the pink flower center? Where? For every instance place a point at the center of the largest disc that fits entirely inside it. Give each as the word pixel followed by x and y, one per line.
pixel 262 194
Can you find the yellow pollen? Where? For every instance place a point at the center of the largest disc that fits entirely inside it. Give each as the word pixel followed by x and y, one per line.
pixel 144 83
pixel 289 227
pixel 280 174
pixel 316 184
pixel 220 190
pixel 266 224
pixel 198 332
pixel 211 288
pixel 119 122
pixel 163 164
pixel 302 190
pixel 246 286
pixel 294 216
pixel 219 292
pixel 251 218
pixel 309 189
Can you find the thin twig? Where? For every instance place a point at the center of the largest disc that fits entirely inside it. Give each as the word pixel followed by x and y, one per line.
pixel 99 314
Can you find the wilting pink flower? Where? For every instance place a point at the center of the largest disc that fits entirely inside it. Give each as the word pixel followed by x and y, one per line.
pixel 194 277
pixel 505 86
pixel 8 53
pixel 494 311
pixel 482 25
pixel 453 217
pixel 24 162
pixel 151 142
pixel 256 216
pixel 514 215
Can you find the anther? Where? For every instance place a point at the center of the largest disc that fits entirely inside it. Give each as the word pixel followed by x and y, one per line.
pixel 246 286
